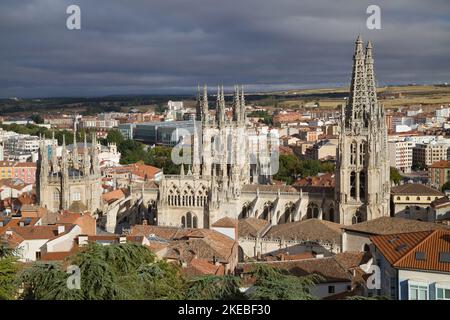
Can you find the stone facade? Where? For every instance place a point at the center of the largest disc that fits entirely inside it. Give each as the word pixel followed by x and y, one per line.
pixel 228 182
pixel 362 175
pixel 70 182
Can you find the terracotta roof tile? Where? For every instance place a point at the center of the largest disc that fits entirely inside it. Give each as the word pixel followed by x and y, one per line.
pixel 226 222
pixel 441 164
pixel 310 229
pixel 252 227
pixel 416 250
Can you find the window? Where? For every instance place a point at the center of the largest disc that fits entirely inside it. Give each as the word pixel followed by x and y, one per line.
pixel 418 292
pixel 76 196
pixel 331 289
pixel 56 196
pixel 442 294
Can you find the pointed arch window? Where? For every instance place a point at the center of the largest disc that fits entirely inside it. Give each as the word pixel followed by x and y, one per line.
pixel 362 185
pixel 353 153
pixel 194 221
pixel 353 184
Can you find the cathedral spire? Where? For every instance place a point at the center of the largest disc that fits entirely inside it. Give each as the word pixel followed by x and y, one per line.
pixel 75 149
pixel 358 102
pixel 236 105
pixel 220 107
pixel 370 76
pixel 205 109
pixel 54 155
pixel 198 110
pixel 86 156
pixel 242 101
pixel 182 170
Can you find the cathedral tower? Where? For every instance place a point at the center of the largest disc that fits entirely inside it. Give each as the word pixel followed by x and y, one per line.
pixel 362 168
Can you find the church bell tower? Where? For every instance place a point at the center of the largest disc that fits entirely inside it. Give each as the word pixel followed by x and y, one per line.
pixel 362 169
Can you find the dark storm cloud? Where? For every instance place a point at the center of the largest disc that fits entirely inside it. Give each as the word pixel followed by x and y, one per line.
pixel 162 46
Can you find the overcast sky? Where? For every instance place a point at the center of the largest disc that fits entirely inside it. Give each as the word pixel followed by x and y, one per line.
pixel 168 46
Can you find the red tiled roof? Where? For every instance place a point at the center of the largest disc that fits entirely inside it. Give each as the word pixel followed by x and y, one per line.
pixel 226 222
pixel 325 180
pixel 441 164
pixel 112 196
pixel 416 250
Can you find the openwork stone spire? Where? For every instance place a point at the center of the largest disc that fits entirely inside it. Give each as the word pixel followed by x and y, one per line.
pixel 205 109
pixel 358 103
pixel 220 106
pixel 362 189
pixel 236 105
pixel 370 76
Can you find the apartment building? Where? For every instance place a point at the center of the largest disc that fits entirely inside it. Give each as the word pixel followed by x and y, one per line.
pixel 424 155
pixel 401 154
pixel 439 173
pixel 25 171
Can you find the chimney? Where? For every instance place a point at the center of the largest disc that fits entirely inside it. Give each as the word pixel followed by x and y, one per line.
pixel 82 240
pixel 21 223
pixel 144 222
pixel 122 239
pixel 61 229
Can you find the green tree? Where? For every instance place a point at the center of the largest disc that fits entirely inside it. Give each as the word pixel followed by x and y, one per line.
pixel 309 168
pixel 161 280
pixel 114 136
pixel 46 281
pixel 273 284
pixel 288 168
pixel 118 271
pixel 105 270
pixel 8 271
pixel 327 166
pixel 212 287
pixel 395 175
pixel 132 152
pixel 161 157
pixel 37 118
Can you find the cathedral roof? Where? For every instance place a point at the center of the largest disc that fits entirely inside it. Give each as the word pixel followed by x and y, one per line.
pixel 310 229
pixel 252 227
pixel 226 222
pixel 267 188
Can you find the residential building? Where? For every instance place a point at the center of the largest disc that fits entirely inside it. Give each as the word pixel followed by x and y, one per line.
pixel 413 201
pixel 439 173
pixel 401 155
pixel 356 238
pixel 414 266
pixel 425 155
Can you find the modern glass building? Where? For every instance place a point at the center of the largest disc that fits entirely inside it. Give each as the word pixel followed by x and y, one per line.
pixel 167 133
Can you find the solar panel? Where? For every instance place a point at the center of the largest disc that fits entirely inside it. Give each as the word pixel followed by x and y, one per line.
pixel 444 257
pixel 420 255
